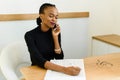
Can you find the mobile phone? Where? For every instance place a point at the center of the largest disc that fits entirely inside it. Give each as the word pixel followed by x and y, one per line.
pixel 54 26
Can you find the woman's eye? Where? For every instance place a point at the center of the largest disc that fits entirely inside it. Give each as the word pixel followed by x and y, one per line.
pixel 51 16
pixel 56 17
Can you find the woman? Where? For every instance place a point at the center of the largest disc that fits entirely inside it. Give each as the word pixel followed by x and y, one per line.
pixel 44 42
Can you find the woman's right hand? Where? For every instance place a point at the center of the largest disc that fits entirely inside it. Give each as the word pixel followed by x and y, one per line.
pixel 71 70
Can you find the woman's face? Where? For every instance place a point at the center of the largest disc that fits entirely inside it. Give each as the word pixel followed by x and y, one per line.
pixel 49 18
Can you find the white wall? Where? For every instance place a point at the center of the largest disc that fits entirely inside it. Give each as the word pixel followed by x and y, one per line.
pixel 116 11
pixel 74 37
pixel 32 6
pixel 102 17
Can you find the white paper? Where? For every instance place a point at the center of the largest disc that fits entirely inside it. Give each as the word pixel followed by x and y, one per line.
pixel 53 75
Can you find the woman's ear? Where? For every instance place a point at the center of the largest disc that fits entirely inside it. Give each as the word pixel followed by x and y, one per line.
pixel 41 16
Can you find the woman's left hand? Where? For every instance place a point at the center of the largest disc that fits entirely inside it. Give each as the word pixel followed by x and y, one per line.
pixel 55 33
pixel 56 30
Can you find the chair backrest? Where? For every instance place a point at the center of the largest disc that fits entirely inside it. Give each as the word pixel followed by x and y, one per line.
pixel 13 57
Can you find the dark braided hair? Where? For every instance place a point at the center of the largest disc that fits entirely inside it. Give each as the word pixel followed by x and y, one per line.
pixel 41 11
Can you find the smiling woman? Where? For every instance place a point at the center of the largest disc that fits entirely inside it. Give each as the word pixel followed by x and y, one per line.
pixel 44 41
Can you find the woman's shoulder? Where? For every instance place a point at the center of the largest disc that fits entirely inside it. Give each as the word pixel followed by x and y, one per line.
pixel 34 30
pixel 31 32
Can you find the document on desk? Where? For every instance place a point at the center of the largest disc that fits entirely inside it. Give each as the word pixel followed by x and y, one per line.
pixel 53 75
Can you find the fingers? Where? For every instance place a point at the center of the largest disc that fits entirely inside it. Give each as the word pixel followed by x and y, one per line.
pixel 77 68
pixel 72 70
pixel 56 31
pixel 57 27
pixel 76 71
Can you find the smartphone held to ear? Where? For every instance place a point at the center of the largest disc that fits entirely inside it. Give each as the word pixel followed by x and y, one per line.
pixel 55 28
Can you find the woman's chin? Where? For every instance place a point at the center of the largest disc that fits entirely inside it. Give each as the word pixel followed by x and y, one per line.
pixel 51 26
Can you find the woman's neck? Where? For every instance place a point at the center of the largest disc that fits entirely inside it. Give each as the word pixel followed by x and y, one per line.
pixel 44 28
